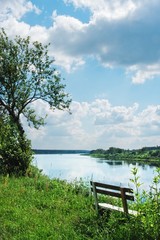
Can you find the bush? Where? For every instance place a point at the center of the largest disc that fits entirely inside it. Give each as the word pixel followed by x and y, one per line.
pixel 15 151
pixel 148 204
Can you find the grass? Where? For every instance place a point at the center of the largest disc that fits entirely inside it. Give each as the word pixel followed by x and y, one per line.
pixel 36 208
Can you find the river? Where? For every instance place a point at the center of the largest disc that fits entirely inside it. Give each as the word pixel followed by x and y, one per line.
pixel 75 167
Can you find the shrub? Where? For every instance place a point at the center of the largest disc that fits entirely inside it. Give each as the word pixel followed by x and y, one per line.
pixel 15 151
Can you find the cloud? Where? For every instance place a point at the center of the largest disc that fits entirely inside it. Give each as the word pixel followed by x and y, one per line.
pixel 145 72
pixel 120 33
pixel 111 9
pixel 97 124
pixel 116 115
pixel 16 9
pixel 150 117
pixel 11 13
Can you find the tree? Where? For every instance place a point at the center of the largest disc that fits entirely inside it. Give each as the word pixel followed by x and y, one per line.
pixel 27 75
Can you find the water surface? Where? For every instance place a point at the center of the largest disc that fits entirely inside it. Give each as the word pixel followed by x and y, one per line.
pixel 73 167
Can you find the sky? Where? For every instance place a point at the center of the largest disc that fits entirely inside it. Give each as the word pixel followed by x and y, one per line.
pixel 108 52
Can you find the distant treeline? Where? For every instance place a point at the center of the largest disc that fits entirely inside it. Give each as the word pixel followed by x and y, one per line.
pixel 50 151
pixel 145 154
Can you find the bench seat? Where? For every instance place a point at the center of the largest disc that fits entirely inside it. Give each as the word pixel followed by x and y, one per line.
pixel 116 208
pixel 113 191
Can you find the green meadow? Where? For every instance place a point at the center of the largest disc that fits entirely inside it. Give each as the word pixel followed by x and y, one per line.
pixel 35 207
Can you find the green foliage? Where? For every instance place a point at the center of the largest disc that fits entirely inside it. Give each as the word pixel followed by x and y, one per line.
pixel 148 204
pixel 135 180
pixel 15 151
pixel 27 75
pixel 146 155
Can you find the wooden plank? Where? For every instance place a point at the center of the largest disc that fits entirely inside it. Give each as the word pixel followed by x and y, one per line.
pixel 124 200
pixel 95 197
pixel 109 193
pixel 109 186
pixel 116 208
pixel 110 206
pixel 128 190
pixel 113 191
pixel 103 185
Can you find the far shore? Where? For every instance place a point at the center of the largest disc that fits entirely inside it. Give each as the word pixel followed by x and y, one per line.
pixel 151 162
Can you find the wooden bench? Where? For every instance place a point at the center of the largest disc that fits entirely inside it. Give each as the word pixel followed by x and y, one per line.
pixel 113 191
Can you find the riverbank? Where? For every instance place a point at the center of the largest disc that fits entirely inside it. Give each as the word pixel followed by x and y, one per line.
pixel 145 155
pixel 140 161
pixel 35 207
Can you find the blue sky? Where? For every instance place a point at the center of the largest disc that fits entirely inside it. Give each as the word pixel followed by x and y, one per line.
pixel 108 51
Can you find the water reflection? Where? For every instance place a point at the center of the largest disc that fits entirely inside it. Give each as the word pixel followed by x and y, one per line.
pixel 110 162
pixel 121 162
pixel 75 166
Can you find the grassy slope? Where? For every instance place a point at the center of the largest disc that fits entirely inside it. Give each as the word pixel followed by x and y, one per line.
pixel 32 208
pixel 39 208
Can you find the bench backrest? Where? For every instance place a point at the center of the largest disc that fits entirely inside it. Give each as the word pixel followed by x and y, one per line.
pixel 114 191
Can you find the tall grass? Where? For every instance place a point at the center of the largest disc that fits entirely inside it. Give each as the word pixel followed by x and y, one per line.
pixel 35 208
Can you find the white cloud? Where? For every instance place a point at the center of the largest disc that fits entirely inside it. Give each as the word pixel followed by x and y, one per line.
pixel 105 114
pixel 121 33
pixel 97 124
pixel 145 72
pixel 69 29
pixel 11 13
pixel 111 9
pixel 14 27
pixel 150 116
pixel 16 8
